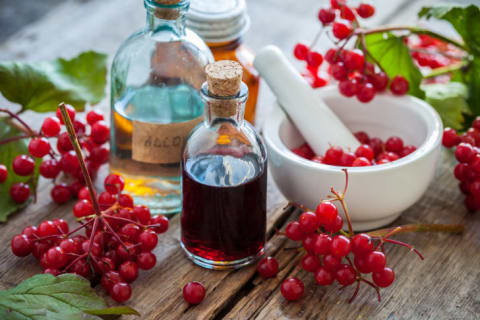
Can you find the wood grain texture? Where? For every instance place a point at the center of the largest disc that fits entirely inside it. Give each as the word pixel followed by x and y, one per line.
pixel 444 286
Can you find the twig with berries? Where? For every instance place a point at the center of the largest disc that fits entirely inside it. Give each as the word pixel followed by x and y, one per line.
pixel 119 235
pixel 333 254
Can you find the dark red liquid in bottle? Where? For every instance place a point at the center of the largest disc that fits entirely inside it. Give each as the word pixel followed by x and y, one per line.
pixel 221 221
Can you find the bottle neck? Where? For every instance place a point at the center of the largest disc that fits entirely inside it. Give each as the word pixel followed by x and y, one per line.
pixel 172 16
pixel 220 109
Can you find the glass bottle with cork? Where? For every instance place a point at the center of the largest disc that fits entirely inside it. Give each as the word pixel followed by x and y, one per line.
pixel 155 80
pixel 222 24
pixel 224 177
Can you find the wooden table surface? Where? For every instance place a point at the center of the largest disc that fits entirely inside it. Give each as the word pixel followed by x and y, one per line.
pixel 446 285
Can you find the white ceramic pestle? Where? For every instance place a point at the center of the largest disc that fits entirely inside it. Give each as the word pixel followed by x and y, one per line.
pixel 313 118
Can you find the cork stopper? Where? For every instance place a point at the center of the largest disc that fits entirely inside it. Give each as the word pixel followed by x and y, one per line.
pixel 167 13
pixel 224 78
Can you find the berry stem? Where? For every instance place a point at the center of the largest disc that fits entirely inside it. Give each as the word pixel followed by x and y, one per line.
pixel 11 139
pixel 449 228
pixel 317 37
pixel 373 286
pixel 78 151
pixel 405 245
pixel 341 199
pixel 355 293
pixel 109 227
pixel 30 131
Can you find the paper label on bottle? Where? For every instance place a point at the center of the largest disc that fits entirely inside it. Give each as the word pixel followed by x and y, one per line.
pixel 160 143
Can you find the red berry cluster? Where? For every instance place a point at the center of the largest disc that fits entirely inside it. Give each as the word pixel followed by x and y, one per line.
pixel 467 171
pixel 431 52
pixel 332 254
pixel 118 241
pixel 372 151
pixel 356 76
pixel 62 161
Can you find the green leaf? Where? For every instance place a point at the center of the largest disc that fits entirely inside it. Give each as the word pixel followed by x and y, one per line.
pixel 392 54
pixel 8 152
pixel 472 79
pixel 45 297
pixel 465 20
pixel 42 86
pixel 449 99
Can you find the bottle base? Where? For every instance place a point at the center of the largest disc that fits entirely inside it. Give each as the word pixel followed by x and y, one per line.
pixel 221 265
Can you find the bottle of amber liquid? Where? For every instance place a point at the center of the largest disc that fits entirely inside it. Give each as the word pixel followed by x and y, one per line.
pixel 224 177
pixel 155 80
pixel 222 24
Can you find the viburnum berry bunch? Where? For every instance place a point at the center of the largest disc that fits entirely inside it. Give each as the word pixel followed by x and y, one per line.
pixel 351 63
pixel 466 147
pixel 335 255
pixel 59 164
pixel 372 151
pixel 118 238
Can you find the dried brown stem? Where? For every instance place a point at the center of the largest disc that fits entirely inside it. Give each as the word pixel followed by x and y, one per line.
pixel 449 228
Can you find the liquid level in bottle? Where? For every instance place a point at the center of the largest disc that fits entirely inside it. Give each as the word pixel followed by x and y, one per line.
pixel 224 210
pixel 154 185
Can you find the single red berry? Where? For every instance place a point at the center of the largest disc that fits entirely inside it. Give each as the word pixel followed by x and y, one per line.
pixel 94 116
pixel 394 144
pixel 69 162
pixel 83 208
pixel 377 145
pixel 323 277
pixel 336 4
pixel 338 70
pixel 142 214
pixel 69 246
pixel 125 200
pixel 51 127
pixel 365 92
pixel 121 292
pixel 314 59
pixel 362 244
pixel 331 56
pixel 106 200
pixel 365 10
pixel 322 244
pixel 348 87
pixel 63 143
pixel 345 275
pixel 365 151
pixel 131 232
pixel 347 13
pixel 100 132
pixel 61 225
pixel 407 150
pixel 109 278
pixel 148 240
pixel 267 267
pixel 308 242
pixel 56 258
pixel 311 263
pixel 476 123
pixel 353 59
pixel 331 262
pixel 379 81
pixel 3 173
pixel 20 192
pixel 39 147
pixel 84 194
pixel 39 248
pixel 114 183
pixel 99 155
pixel 375 261
pixel 326 15
pixel 23 165
pixel 347 159
pixel 30 232
pixel 128 271
pixel 61 193
pixel 383 278
pixel 475 163
pixel 308 222
pixel 21 245
pixel 361 162
pixel 390 156
pixel 464 153
pixel 294 232
pixel 399 85
pixel 462 171
pixel 70 111
pixel 194 292
pixel 146 260
pixel 292 289
pixel 335 226
pixel 326 213
pixel 79 127
pixel 341 30
pixel 333 155
pixel 300 51
pixel 47 228
pixel 161 224
pixel 360 263
pixel 340 246
pixel 49 168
